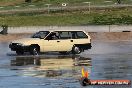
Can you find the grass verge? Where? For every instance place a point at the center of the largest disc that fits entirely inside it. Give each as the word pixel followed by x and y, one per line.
pixel 111 16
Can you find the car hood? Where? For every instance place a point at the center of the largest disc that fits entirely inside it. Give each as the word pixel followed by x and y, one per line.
pixel 26 41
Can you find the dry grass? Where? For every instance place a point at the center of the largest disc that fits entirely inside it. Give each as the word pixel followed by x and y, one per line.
pixel 106 36
pixel 10 2
pixel 111 36
pixel 11 37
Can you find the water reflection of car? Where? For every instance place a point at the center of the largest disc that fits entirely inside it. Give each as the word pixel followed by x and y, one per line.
pixel 24 61
pixel 51 66
pixel 51 62
pixel 61 41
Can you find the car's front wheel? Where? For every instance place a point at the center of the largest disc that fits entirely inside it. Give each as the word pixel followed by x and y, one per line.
pixel 19 52
pixel 34 50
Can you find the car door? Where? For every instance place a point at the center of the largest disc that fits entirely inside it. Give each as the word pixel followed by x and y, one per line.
pixel 65 43
pixel 50 43
pixel 79 37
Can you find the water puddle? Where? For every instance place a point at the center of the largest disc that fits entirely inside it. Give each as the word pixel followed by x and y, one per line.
pixel 62 66
pixel 106 60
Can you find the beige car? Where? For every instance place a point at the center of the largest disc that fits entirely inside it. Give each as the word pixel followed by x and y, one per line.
pixel 62 41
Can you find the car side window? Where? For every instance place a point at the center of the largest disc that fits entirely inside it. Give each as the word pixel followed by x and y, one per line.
pixel 41 34
pixel 79 35
pixel 65 35
pixel 74 35
pixel 52 36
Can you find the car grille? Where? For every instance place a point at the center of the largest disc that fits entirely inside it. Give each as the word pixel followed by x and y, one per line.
pixel 14 44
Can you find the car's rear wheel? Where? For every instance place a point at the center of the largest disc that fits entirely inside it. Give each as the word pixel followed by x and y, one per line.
pixel 34 50
pixel 76 50
pixel 19 52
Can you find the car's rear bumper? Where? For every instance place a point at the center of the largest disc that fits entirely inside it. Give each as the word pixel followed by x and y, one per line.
pixel 85 46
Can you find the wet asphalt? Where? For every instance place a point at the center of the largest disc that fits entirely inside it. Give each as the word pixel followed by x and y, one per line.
pixel 106 60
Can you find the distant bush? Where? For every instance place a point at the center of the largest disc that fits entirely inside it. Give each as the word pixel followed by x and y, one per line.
pixel 109 20
pixel 29 1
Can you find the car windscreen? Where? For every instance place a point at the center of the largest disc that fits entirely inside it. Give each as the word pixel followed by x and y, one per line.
pixel 40 34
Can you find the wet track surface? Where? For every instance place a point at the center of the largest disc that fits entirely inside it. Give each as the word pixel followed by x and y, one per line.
pixel 106 60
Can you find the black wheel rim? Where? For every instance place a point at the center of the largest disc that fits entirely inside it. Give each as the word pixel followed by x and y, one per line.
pixel 77 50
pixel 35 51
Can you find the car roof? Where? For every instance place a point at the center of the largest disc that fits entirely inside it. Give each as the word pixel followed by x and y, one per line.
pixel 44 31
pixel 59 30
pixel 65 30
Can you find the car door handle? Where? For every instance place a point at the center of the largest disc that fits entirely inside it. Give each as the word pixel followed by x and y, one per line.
pixel 58 41
pixel 71 40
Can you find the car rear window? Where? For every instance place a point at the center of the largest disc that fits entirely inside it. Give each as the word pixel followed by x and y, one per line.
pixel 79 35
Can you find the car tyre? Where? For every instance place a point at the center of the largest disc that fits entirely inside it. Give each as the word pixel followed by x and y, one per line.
pixel 76 50
pixel 19 52
pixel 34 50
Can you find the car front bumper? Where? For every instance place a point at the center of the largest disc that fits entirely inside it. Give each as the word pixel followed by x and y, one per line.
pixel 17 47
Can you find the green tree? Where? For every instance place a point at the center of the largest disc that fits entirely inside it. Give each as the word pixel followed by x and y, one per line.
pixel 119 1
